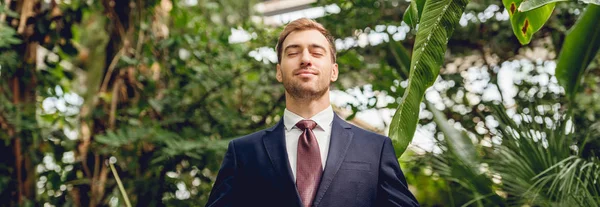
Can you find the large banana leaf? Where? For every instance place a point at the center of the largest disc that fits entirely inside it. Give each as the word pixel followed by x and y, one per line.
pixel 413 13
pixel 525 24
pixel 437 25
pixel 533 4
pixel 579 49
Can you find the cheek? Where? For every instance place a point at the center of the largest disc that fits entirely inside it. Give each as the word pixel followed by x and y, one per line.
pixel 286 67
pixel 286 73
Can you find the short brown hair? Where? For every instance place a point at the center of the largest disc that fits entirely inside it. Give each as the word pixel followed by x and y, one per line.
pixel 301 25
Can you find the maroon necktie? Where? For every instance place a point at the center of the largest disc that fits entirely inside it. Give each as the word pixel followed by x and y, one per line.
pixel 308 170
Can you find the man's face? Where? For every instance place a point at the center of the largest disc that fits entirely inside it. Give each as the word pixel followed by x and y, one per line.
pixel 306 68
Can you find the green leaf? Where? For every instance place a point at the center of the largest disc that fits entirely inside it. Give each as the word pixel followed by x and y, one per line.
pixel 525 24
pixel 579 49
pixel 9 60
pixel 437 25
pixel 572 177
pixel 413 13
pixel 534 4
pixel 522 155
pixel 8 36
pixel 8 12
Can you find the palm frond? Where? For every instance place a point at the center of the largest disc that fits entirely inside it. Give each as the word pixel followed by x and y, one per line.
pixel 571 181
pixel 538 165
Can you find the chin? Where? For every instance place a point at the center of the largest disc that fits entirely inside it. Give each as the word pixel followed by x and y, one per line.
pixel 308 90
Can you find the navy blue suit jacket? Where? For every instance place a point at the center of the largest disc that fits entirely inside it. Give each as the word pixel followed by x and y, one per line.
pixel 361 170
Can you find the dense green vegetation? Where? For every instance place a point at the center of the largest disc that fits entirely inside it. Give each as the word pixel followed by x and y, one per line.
pixel 145 95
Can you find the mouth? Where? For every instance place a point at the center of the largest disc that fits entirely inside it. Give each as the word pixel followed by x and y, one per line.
pixel 305 73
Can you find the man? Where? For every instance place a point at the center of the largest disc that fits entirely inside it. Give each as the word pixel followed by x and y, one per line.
pixel 311 157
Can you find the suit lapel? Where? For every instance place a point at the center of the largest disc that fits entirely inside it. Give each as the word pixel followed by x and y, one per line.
pixel 341 137
pixel 274 142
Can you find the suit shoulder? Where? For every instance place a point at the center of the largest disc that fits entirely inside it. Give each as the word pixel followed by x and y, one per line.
pixel 250 138
pixel 372 136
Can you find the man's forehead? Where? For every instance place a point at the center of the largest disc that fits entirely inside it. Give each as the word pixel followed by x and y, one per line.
pixel 305 38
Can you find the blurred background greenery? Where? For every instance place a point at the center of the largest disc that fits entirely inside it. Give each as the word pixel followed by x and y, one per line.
pixel 158 87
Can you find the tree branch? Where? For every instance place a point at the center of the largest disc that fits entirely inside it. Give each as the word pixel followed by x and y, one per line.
pixel 113 103
pixel 26 12
pixel 110 69
pixel 17 142
pixel 83 148
pixel 110 6
pixel 6 7
pixel 4 124
pixel 94 182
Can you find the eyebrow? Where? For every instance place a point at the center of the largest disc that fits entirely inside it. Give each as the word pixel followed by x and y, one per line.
pixel 298 46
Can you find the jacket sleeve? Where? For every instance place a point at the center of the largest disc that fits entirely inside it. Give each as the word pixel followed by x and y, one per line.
pixel 392 189
pixel 222 193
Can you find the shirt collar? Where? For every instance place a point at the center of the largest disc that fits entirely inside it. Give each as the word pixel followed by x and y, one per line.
pixel 323 118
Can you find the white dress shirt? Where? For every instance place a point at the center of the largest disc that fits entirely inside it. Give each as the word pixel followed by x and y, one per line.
pixel 292 133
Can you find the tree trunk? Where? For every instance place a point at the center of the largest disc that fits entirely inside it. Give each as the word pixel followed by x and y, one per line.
pixel 93 164
pixel 23 85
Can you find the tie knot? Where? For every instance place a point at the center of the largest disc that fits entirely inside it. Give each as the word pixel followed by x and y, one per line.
pixel 306 124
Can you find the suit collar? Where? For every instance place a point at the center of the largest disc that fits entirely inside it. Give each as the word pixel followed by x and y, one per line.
pixel 323 119
pixel 274 142
pixel 341 137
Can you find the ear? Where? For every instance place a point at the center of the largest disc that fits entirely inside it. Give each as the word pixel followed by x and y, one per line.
pixel 334 72
pixel 279 75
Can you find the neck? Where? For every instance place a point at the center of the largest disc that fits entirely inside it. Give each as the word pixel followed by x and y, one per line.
pixel 307 108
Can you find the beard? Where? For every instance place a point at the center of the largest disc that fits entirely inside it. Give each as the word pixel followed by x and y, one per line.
pixel 297 91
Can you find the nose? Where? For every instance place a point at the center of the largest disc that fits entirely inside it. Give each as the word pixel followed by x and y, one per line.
pixel 306 59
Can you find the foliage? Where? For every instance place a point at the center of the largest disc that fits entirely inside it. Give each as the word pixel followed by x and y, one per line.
pixel 462 162
pixel 157 94
pixel 464 103
pixel 533 4
pixel 539 153
pixel 413 13
pixel 579 49
pixel 526 23
pixel 161 90
pixel 435 28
